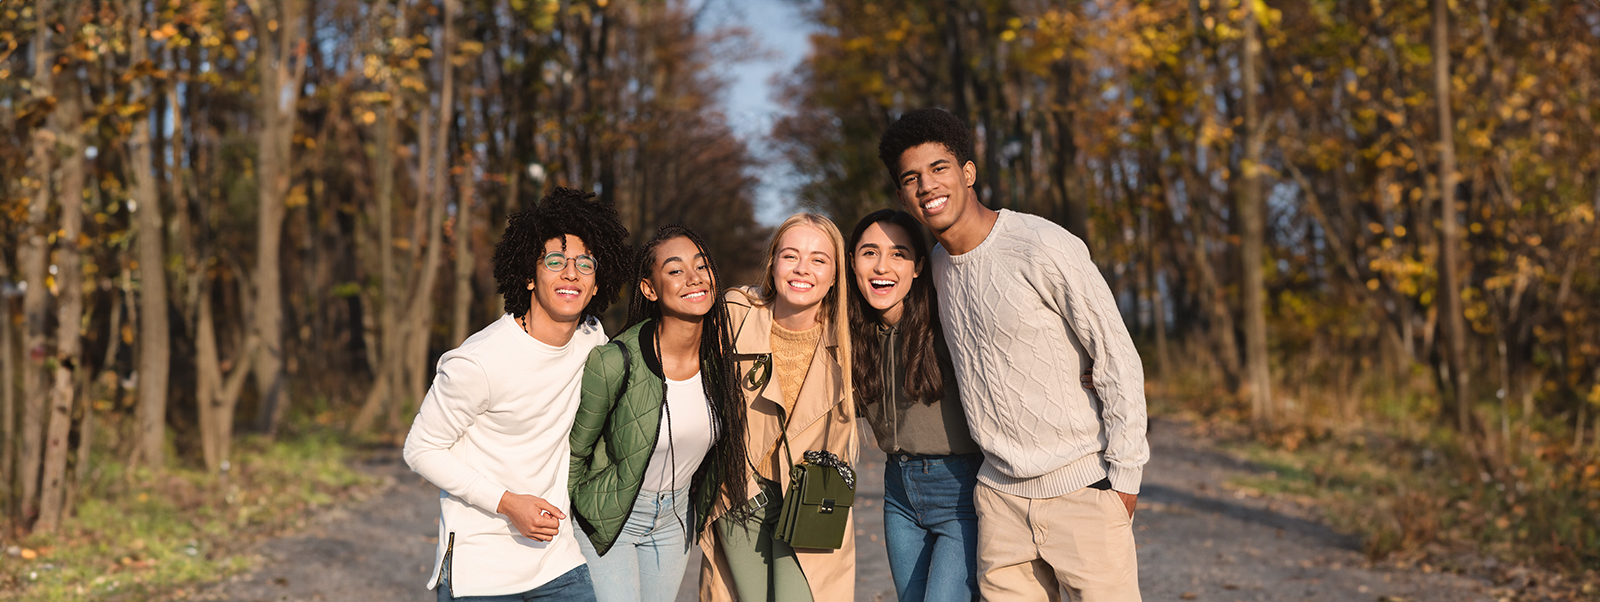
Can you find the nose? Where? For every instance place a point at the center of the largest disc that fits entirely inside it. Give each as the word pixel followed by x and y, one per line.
pixel 570 270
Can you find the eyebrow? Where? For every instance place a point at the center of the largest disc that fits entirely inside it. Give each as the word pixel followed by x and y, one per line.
pixel 677 258
pixel 874 245
pixel 911 171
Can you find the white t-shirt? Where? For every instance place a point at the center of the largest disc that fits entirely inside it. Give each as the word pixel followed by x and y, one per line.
pixel 497 419
pixel 692 436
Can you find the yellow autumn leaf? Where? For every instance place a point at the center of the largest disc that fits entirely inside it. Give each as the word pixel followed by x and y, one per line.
pixel 297 197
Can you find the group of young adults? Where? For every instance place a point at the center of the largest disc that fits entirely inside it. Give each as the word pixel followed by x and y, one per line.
pixel 994 370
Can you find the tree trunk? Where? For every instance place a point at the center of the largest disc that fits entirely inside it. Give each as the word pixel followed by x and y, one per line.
pixel 421 310
pixel 154 332
pixel 1252 235
pixel 1074 210
pixel 1158 306
pixel 463 239
pixel 218 395
pixel 69 316
pixel 386 370
pixel 280 66
pixel 34 257
pixel 1451 318
pixel 80 466
pixel 8 399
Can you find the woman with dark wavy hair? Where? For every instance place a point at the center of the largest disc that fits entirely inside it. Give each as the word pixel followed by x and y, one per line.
pixel 660 427
pixel 906 390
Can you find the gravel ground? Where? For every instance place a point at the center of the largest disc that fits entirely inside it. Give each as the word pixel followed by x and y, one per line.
pixel 1197 541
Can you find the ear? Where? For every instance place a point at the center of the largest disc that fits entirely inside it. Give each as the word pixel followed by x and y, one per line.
pixel 969 173
pixel 530 283
pixel 646 289
pixel 917 269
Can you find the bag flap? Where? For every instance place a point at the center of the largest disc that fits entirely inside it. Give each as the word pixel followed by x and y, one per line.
pixel 821 482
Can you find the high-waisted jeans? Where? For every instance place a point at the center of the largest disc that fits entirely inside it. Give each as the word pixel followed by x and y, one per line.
pixel 931 527
pixel 648 560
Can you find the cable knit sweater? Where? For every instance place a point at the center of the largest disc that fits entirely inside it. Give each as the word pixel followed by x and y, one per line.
pixel 1025 313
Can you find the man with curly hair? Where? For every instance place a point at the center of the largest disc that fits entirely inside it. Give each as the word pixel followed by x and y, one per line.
pixel 492 430
pixel 1025 312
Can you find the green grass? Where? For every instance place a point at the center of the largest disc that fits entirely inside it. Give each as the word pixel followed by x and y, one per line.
pixel 138 535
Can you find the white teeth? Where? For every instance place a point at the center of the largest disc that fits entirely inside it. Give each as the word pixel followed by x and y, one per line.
pixel 695 296
pixel 800 285
pixel 882 283
pixel 935 203
pixel 569 292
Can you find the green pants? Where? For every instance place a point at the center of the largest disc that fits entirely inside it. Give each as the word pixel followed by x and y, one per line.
pixel 763 567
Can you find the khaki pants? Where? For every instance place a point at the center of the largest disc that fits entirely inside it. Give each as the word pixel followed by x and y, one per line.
pixel 1030 550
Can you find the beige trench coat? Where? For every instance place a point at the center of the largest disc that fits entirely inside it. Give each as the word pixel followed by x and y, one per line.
pixel 820 420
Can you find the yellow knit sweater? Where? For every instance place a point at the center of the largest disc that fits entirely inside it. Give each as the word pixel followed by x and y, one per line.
pixel 791 357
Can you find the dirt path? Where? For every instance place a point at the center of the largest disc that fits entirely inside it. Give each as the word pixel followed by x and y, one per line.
pixel 1197 541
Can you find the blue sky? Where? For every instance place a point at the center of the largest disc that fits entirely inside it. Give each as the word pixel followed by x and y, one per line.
pixel 781 31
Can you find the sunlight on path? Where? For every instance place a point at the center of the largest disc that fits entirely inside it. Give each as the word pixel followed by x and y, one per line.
pixel 1197 541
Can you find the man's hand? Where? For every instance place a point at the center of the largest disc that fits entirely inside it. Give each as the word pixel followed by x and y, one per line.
pixel 1129 499
pixel 533 517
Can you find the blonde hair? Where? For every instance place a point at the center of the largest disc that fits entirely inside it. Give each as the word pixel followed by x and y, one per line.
pixel 835 306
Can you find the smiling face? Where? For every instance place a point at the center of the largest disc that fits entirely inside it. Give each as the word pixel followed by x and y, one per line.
pixel 934 188
pixel 560 296
pixel 680 280
pixel 803 268
pixel 885 266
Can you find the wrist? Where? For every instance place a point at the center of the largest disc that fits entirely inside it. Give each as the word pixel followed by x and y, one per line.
pixel 500 508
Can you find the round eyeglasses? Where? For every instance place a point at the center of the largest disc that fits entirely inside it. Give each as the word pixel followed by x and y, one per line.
pixel 557 261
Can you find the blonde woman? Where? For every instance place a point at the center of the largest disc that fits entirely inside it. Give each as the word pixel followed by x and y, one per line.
pixel 791 340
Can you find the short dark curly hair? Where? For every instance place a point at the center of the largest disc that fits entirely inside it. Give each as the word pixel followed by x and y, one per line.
pixel 563 211
pixel 921 127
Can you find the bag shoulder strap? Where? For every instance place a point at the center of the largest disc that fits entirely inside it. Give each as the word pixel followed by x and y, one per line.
pixel 783 431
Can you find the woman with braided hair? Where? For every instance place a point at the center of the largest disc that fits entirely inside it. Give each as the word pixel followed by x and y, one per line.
pixel 659 428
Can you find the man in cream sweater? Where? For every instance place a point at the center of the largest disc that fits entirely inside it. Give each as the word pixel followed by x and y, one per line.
pixel 1025 312
pixel 492 431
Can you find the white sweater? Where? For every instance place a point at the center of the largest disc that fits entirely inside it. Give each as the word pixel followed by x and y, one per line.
pixel 497 419
pixel 1025 313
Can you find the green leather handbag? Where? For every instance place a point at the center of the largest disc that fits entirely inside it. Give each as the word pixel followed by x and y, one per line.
pixel 816 506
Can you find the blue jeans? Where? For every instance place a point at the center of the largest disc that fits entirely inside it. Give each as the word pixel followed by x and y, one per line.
pixel 649 557
pixel 572 585
pixel 931 527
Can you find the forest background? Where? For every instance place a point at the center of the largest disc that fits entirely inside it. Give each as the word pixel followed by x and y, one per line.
pixel 236 234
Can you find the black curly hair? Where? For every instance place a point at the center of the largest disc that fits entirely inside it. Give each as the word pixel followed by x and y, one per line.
pixel 727 456
pixel 921 127
pixel 563 211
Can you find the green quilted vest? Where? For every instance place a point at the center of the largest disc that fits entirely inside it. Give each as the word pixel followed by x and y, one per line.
pixel 613 437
